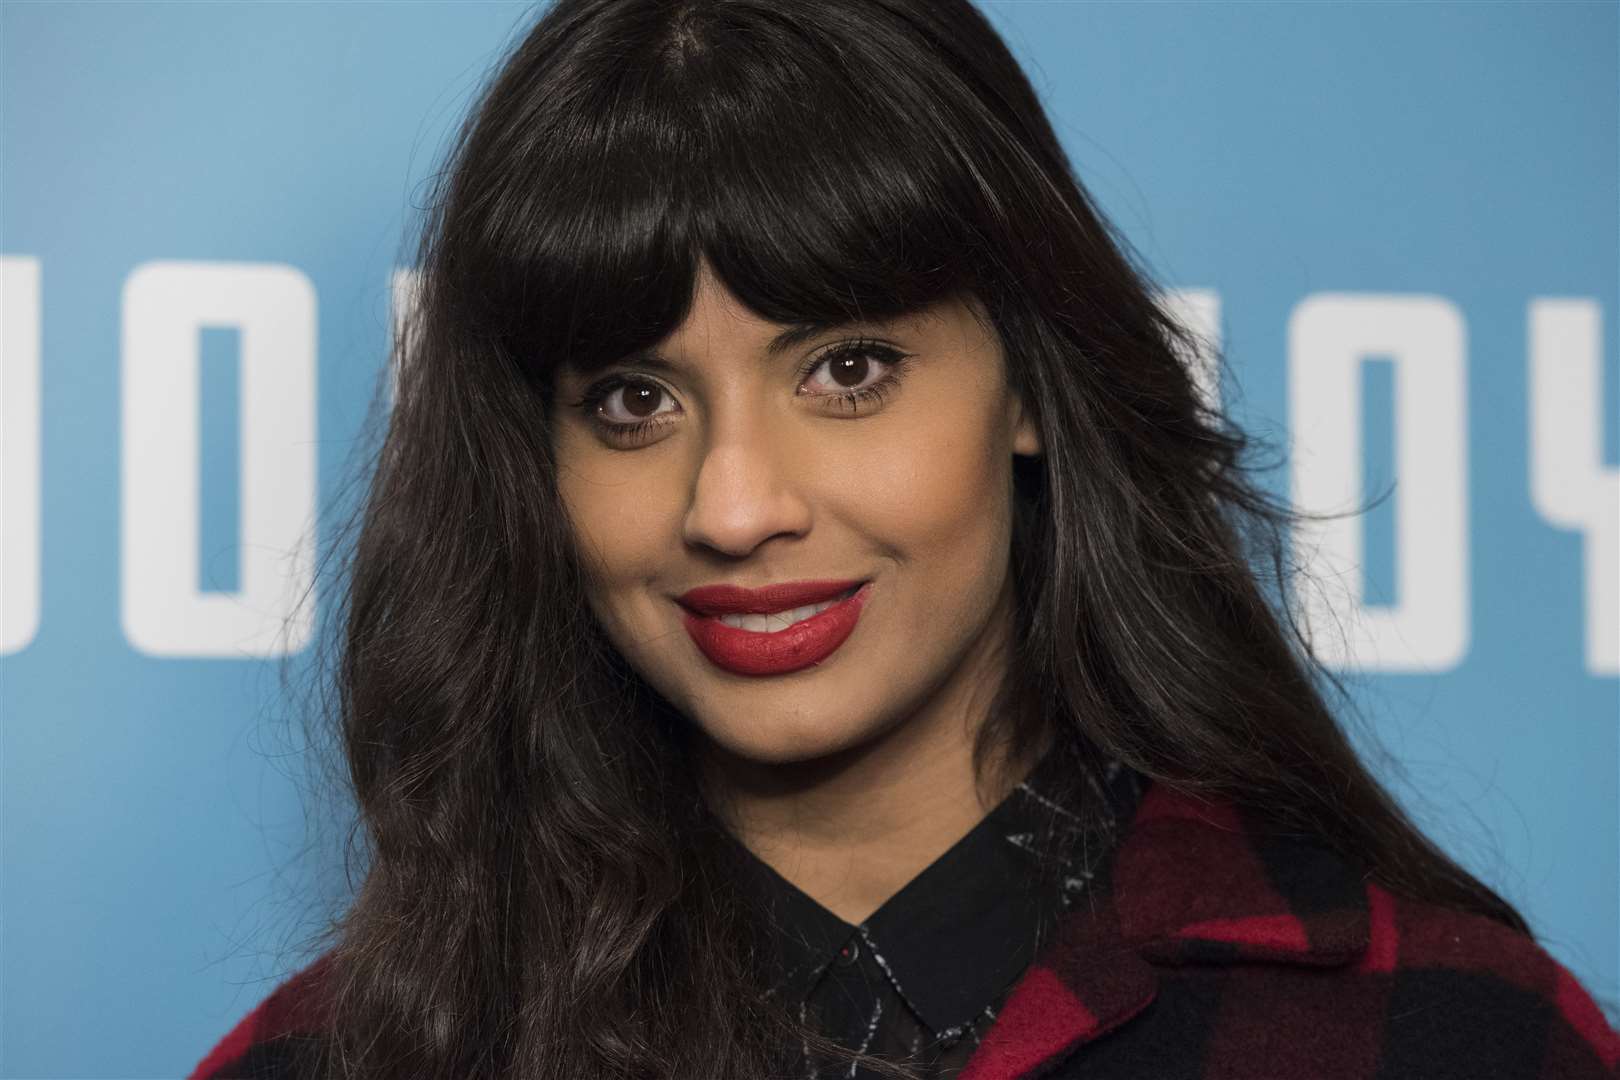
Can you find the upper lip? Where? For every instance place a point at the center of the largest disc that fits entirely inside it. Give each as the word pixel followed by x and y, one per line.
pixel 736 600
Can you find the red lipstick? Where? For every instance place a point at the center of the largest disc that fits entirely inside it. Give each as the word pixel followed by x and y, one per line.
pixel 736 600
pixel 752 652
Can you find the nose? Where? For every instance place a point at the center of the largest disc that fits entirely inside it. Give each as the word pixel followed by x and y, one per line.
pixel 748 487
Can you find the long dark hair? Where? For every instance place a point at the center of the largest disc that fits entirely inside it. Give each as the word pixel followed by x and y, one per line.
pixel 546 893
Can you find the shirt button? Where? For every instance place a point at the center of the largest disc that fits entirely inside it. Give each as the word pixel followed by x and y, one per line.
pixel 849 953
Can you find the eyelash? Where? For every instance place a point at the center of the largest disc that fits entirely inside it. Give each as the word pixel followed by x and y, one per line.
pixel 593 398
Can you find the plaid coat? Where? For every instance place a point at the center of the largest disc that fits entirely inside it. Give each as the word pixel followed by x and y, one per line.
pixel 1213 948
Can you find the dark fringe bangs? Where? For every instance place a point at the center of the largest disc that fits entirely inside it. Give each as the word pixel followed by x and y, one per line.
pixel 847 211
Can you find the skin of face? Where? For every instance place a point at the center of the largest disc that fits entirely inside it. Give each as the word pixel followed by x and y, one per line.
pixel 754 475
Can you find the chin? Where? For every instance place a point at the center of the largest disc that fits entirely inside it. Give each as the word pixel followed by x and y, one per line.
pixel 786 740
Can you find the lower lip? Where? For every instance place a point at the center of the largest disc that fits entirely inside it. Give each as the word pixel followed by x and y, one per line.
pixel 804 644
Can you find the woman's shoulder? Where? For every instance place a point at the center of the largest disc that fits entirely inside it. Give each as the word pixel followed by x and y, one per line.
pixel 276 1040
pixel 1462 985
pixel 1267 943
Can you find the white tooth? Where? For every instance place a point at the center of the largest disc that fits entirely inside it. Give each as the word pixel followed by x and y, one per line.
pixel 775 621
pixel 756 623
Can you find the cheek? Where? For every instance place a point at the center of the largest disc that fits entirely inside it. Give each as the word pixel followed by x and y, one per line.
pixel 621 518
pixel 622 553
pixel 938 495
pixel 620 530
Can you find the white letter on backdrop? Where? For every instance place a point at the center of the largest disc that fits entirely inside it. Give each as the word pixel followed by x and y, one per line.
pixel 402 292
pixel 1329 335
pixel 165 305
pixel 1569 484
pixel 1200 311
pixel 19 451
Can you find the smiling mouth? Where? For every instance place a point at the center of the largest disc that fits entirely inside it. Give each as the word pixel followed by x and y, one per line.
pixel 781 620
pixel 778 642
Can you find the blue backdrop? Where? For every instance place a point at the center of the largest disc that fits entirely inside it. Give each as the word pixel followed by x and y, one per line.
pixel 1401 222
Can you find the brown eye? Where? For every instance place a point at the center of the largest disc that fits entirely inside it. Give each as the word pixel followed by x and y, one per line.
pixel 630 401
pixel 862 373
pixel 642 401
pixel 850 369
pixel 626 408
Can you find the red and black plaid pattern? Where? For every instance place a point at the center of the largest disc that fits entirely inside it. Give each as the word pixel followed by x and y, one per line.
pixel 1213 949
pixel 1220 949
pixel 275 1041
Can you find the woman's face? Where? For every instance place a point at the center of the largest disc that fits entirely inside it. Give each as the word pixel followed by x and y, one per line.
pixel 755 468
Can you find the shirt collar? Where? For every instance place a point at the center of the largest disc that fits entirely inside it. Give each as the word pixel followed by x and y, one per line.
pixel 956 935
pixel 1191 881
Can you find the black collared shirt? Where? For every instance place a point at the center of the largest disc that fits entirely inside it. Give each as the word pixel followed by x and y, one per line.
pixel 921 980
